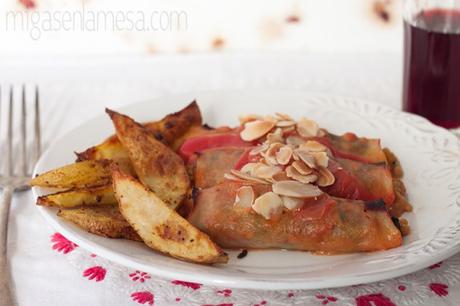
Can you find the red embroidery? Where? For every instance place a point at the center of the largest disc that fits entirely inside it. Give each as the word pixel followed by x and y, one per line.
pixel 178 299
pixel 225 292
pixel 143 297
pixel 225 304
pixel 439 289
pixel 290 294
pixel 377 299
pixel 435 266
pixel 139 276
pixel 194 286
pixel 402 287
pixel 62 244
pixel 261 303
pixel 326 299
pixel 97 273
pixel 28 4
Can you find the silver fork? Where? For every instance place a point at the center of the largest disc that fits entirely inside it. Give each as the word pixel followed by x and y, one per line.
pixel 12 180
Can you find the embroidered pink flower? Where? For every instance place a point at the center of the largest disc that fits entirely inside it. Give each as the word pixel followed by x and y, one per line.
pixel 194 286
pixel 376 299
pixel 290 294
pixel 62 244
pixel 139 276
pixel 439 289
pixel 262 303
pixel 402 288
pixel 225 292
pixel 225 304
pixel 326 299
pixel 97 273
pixel 435 266
pixel 143 297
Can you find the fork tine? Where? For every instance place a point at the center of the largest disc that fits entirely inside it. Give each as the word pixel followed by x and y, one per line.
pixel 9 149
pixel 23 163
pixel 37 138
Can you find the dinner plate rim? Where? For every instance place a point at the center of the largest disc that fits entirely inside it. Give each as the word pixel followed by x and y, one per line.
pixel 229 281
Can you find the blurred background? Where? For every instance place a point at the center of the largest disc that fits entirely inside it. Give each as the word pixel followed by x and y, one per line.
pixel 145 27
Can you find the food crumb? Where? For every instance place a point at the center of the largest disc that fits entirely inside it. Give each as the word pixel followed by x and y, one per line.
pixel 243 254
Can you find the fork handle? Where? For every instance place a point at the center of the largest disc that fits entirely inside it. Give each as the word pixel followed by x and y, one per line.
pixel 6 298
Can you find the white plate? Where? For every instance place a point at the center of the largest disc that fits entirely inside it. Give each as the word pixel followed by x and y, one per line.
pixel 429 155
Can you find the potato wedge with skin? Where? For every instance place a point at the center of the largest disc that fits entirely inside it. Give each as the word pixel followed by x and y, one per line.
pixel 83 174
pixel 160 227
pixel 156 165
pixel 167 130
pixel 105 221
pixel 79 197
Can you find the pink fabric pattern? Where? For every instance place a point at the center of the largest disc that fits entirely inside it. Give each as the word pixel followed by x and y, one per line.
pixel 225 292
pixel 143 297
pixel 439 289
pixel 194 286
pixel 62 244
pixel 97 273
pixel 377 299
pixel 139 276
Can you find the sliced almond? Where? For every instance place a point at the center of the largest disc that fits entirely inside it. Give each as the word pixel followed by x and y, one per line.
pixel 268 205
pixel 264 171
pixel 322 133
pixel 256 129
pixel 244 197
pixel 295 140
pixel 276 136
pixel 294 174
pixel 283 116
pixel 306 157
pixel 248 168
pixel 270 155
pixel 281 176
pixel 284 154
pixel 248 118
pixel 285 123
pixel 313 146
pixel 247 177
pixel 292 203
pixel 289 129
pixel 326 178
pixel 321 158
pixel 296 189
pixel 231 177
pixel 307 128
pixel 259 149
pixel 301 167
pixel 270 118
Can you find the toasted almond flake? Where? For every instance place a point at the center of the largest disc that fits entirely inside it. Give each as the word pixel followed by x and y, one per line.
pixel 276 136
pixel 326 178
pixel 295 140
pixel 322 133
pixel 296 189
pixel 255 129
pixel 247 177
pixel 231 177
pixel 244 197
pixel 321 158
pixel 292 203
pixel 313 146
pixel 264 171
pixel 248 168
pixel 289 129
pixel 268 205
pixel 283 116
pixel 283 156
pixel 285 123
pixel 281 176
pixel 248 118
pixel 306 157
pixel 294 174
pixel 307 128
pixel 301 167
pixel 259 149
pixel 270 118
pixel 270 155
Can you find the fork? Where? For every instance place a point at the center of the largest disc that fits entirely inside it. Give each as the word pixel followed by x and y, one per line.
pixel 11 180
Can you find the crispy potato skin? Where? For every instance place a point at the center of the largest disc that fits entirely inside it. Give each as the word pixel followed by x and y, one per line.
pixel 105 221
pixel 168 130
pixel 91 173
pixel 79 197
pixel 160 227
pixel 156 165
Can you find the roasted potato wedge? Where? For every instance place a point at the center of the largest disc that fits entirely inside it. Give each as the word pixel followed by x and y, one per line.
pixel 156 165
pixel 90 173
pixel 167 130
pixel 79 197
pixel 160 227
pixel 105 221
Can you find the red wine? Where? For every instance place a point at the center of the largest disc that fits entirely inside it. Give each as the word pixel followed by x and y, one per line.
pixel 432 66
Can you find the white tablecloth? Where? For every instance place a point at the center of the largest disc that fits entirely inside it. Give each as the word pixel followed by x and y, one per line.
pixel 75 89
